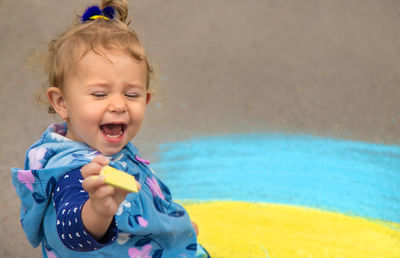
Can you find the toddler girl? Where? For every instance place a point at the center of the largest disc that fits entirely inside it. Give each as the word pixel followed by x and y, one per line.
pixel 99 84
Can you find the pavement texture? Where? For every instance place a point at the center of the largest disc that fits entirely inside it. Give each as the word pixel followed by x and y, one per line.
pixel 329 68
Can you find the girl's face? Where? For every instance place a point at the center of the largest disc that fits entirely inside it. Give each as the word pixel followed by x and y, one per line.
pixel 104 101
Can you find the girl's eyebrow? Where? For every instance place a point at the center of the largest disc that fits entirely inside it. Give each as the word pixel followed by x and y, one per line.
pixel 98 83
pixel 132 85
pixel 108 85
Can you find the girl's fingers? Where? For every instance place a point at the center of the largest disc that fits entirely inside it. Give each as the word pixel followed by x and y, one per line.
pixel 91 183
pixel 101 160
pixel 96 188
pixel 94 167
pixel 103 192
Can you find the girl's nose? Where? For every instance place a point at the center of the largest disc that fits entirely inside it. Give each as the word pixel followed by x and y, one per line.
pixel 117 104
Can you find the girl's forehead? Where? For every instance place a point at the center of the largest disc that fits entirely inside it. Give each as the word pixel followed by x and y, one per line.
pixel 134 52
pixel 105 64
pixel 86 56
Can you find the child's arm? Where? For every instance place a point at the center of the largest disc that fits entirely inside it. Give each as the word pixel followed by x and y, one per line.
pixel 104 200
pixel 69 198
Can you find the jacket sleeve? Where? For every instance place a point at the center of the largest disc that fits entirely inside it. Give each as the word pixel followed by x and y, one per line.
pixel 69 198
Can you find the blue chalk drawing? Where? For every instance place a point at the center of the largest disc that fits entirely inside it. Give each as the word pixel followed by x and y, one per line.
pixel 355 178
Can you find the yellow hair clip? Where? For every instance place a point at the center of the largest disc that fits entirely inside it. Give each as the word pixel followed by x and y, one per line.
pixel 95 17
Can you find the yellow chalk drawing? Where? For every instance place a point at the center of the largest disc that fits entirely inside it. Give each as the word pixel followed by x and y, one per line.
pixel 240 229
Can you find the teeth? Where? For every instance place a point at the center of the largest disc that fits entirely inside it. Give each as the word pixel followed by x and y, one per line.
pixel 115 136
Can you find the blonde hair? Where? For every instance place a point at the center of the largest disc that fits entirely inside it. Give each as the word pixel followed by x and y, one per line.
pixel 65 51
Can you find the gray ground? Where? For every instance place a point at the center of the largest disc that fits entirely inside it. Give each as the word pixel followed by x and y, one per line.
pixel 329 68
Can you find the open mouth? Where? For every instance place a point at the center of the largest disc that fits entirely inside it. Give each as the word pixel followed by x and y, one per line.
pixel 113 131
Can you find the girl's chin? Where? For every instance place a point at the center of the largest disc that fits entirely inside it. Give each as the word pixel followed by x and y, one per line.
pixel 107 151
pixel 111 146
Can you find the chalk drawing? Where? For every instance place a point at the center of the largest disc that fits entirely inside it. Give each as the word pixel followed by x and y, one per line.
pixel 259 195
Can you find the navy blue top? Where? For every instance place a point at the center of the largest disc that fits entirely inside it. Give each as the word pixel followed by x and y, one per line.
pixel 69 198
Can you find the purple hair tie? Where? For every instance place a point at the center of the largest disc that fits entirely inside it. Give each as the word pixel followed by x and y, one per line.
pixel 94 12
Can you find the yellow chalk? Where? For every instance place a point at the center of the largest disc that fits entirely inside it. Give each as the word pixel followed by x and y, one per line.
pixel 280 231
pixel 118 178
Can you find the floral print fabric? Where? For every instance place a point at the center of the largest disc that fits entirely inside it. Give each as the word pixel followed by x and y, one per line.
pixel 147 224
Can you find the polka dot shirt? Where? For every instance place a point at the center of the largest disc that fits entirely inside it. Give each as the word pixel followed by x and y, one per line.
pixel 69 198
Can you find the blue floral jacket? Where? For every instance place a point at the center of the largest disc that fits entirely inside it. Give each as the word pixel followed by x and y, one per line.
pixel 149 223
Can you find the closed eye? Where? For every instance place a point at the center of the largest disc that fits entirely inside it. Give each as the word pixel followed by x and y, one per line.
pixel 132 95
pixel 99 94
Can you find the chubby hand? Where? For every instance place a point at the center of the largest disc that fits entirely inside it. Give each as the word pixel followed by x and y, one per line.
pixel 104 200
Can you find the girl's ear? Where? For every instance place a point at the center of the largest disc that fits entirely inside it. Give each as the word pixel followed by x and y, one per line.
pixel 148 97
pixel 57 100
